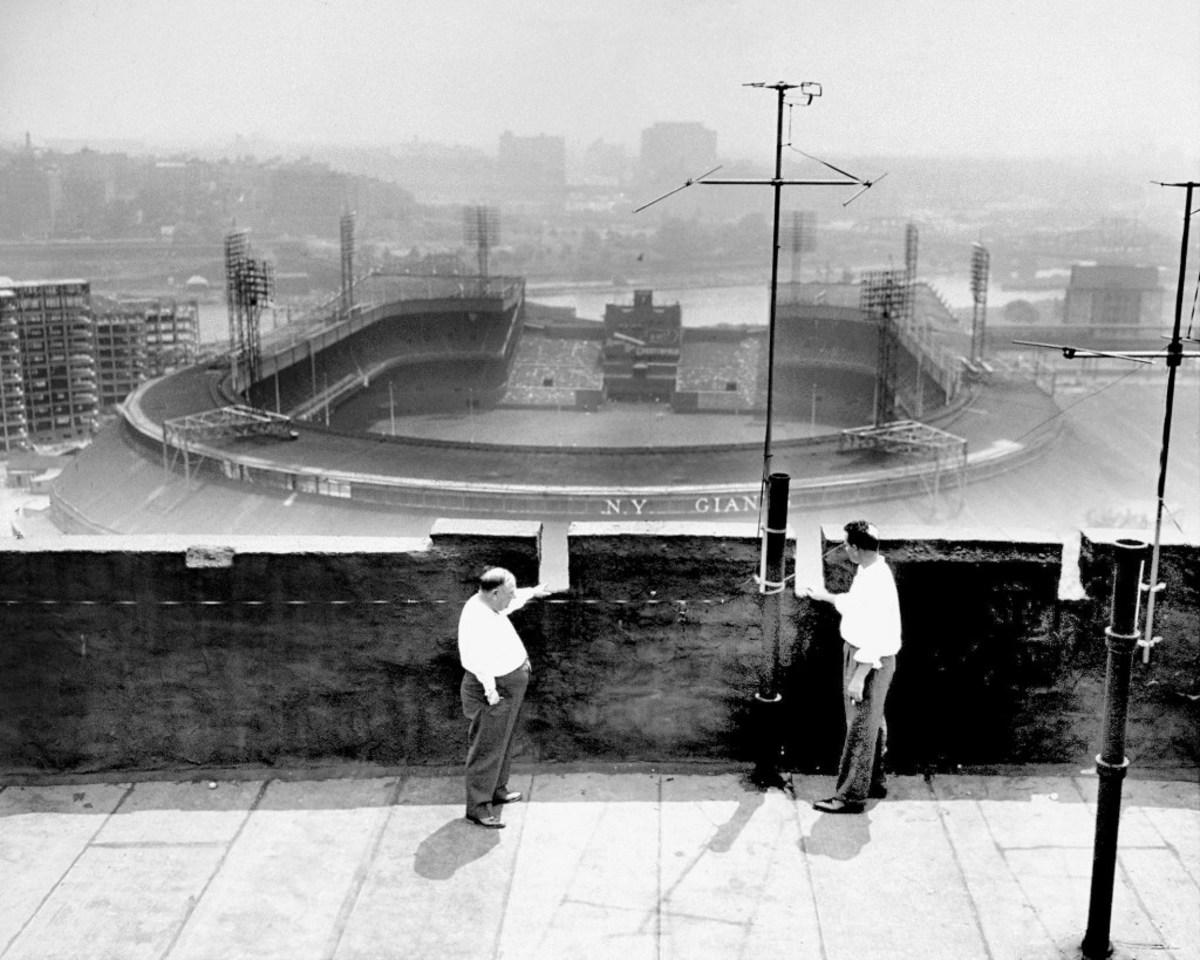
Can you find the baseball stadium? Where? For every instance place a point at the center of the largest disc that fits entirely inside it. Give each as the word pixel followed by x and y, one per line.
pixel 407 397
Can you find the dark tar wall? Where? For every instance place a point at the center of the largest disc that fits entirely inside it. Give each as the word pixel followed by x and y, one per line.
pixel 141 654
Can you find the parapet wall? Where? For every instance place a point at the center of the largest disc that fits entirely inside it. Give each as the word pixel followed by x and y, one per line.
pixel 174 653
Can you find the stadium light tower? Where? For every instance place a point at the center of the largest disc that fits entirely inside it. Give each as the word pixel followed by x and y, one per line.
pixel 249 285
pixel 347 241
pixel 802 238
pixel 481 230
pixel 980 263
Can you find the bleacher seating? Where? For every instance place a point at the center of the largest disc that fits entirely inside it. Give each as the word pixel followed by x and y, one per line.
pixel 711 367
pixel 388 342
pixel 546 371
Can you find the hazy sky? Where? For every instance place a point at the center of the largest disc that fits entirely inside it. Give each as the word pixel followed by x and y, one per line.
pixel 1006 77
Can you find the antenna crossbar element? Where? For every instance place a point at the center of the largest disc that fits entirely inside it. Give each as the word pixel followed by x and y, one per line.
pixel 808 90
pixel 773 182
pixel 686 183
pixel 866 185
pixel 1070 351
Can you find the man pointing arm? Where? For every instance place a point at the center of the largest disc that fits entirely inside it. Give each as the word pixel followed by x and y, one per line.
pixel 870 631
pixel 495 675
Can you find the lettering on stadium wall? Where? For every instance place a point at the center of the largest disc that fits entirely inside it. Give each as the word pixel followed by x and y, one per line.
pixel 623 506
pixel 743 503
pixel 673 506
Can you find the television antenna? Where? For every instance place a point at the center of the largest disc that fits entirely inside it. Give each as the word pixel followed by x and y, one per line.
pixel 1174 354
pixel 808 91
pixel 773 496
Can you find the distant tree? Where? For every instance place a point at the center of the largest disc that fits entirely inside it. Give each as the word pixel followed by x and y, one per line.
pixel 1020 311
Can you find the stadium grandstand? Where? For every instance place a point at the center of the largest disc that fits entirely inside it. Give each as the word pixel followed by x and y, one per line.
pixel 334 411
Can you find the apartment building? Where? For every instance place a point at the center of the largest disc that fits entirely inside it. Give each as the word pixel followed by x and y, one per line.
pixel 55 343
pixel 140 338
pixel 14 435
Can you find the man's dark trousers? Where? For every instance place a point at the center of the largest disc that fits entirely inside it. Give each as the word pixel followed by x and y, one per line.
pixel 490 736
pixel 860 772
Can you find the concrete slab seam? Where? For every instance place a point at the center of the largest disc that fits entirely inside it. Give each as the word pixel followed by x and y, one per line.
pixel 1131 888
pixel 808 876
pixel 1128 881
pixel 191 909
pixel 666 895
pixel 749 924
pixel 962 873
pixel 153 844
pixel 1179 859
pixel 1002 852
pixel 350 900
pixel 82 850
pixel 512 877
pixel 1166 844
pixel 658 859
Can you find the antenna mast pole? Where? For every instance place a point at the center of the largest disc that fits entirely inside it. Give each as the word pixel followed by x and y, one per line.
pixel 809 91
pixel 773 515
pixel 777 186
pixel 1174 357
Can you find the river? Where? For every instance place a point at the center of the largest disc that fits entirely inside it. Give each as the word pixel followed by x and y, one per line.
pixel 702 306
pixel 744 304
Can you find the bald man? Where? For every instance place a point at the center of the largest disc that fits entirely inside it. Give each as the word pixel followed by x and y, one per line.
pixel 495 675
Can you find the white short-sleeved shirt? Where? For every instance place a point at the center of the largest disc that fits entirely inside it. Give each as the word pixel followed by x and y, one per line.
pixel 870 612
pixel 488 645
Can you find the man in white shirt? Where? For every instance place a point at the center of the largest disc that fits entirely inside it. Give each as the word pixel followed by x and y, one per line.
pixel 496 673
pixel 870 629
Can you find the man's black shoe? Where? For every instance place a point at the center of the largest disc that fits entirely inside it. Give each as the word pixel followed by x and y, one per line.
pixel 492 823
pixel 512 796
pixel 838 805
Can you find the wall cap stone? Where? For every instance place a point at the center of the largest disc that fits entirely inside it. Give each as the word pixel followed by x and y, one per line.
pixel 182 543
pixel 950 533
pixel 465 527
pixel 666 528
pixel 1169 536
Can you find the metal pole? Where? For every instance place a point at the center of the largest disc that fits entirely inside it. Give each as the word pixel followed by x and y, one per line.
pixel 1111 763
pixel 768 701
pixel 1174 356
pixel 776 187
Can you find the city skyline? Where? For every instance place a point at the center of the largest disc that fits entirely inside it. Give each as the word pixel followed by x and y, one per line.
pixel 1017 80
